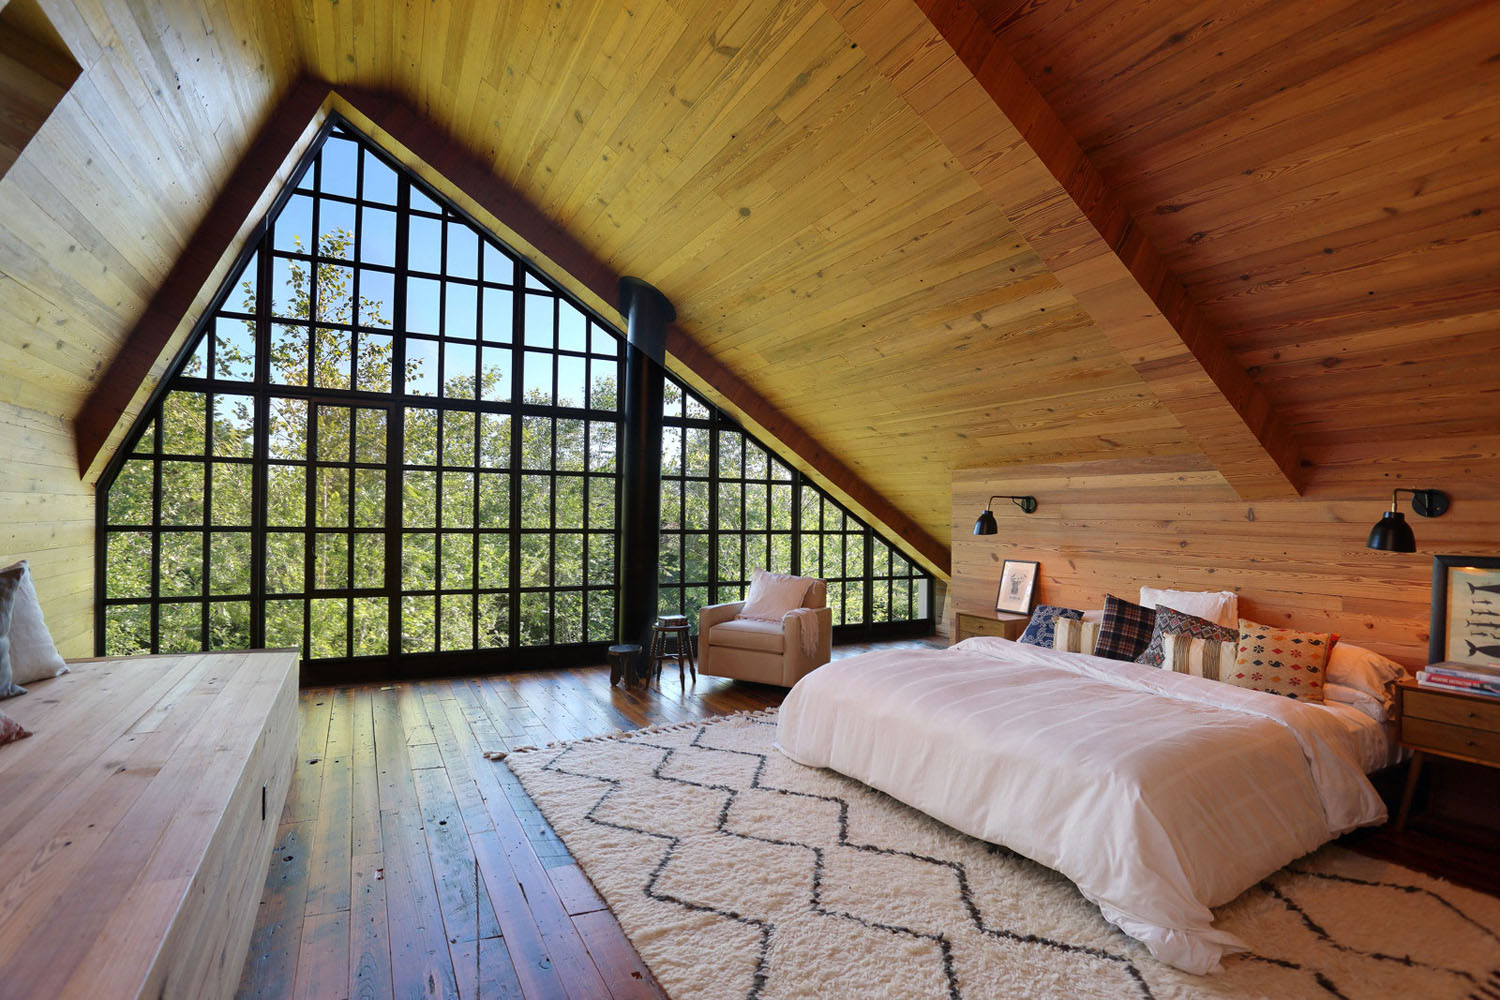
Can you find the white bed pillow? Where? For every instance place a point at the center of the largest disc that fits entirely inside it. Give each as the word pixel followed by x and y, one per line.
pixel 1375 708
pixel 1222 607
pixel 772 595
pixel 1363 670
pixel 33 655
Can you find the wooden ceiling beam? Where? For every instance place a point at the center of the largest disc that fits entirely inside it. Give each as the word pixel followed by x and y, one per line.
pixel 949 67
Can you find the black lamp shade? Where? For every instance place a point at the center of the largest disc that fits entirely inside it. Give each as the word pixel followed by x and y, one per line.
pixel 1390 534
pixel 986 524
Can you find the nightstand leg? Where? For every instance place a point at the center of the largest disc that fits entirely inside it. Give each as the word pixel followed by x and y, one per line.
pixel 1411 787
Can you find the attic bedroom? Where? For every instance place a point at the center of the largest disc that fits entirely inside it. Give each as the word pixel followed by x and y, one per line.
pixel 902 499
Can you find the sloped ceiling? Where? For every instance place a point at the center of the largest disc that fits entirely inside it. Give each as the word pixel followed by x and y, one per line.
pixel 1319 177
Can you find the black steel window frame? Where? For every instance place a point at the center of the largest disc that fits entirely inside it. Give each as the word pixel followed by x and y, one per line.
pixel 526 285
pixel 721 587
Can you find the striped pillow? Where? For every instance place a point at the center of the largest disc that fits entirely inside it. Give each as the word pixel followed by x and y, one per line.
pixel 1075 636
pixel 1188 654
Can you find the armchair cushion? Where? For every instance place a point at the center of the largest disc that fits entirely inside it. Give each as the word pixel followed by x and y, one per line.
pixel 749 633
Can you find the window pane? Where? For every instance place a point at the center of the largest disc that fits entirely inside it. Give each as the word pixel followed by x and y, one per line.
pixel 184 417
pixel 127 630
pixel 286 496
pixel 458 622
pixel 130 498
pixel 418 624
pixel 229 563
pixel 181 628
pixel 284 625
pixel 234 349
pixel 286 559
pixel 419 562
pixel 369 560
pixel 372 626
pixel 330 627
pixel 128 569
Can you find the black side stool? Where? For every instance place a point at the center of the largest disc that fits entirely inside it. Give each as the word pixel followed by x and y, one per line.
pixel 621 658
pixel 674 629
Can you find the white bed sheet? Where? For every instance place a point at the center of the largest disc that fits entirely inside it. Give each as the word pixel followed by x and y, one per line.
pixel 1372 743
pixel 1160 795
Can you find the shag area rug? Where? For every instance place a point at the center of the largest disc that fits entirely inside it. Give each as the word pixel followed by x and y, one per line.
pixel 740 874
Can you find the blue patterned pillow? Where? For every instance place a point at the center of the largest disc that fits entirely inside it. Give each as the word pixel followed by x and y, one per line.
pixel 1039 631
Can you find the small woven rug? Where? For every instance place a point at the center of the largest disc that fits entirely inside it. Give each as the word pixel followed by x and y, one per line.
pixel 740 874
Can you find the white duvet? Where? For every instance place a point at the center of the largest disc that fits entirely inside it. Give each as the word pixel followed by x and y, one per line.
pixel 1159 794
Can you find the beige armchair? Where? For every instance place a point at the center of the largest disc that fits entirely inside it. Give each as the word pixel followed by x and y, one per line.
pixel 766 652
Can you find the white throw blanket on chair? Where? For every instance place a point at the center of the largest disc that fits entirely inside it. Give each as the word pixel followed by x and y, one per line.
pixel 809 630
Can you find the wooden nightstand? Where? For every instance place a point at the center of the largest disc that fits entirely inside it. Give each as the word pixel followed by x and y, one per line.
pixel 968 624
pixel 1447 723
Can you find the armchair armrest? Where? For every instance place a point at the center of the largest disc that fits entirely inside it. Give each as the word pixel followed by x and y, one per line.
pixel 709 617
pixel 796 662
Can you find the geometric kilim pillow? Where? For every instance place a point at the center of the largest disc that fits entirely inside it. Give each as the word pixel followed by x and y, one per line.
pixel 1280 661
pixel 1180 623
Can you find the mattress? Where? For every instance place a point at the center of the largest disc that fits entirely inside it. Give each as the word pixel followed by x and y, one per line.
pixel 1160 795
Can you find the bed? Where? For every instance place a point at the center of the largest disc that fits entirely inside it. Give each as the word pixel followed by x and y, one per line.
pixel 1159 794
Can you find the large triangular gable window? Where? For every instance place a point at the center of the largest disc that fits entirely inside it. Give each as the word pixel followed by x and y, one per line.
pixel 392 445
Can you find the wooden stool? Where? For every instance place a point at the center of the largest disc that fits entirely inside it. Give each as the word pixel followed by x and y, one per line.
pixel 675 628
pixel 620 659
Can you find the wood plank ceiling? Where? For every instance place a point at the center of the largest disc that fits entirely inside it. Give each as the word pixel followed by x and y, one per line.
pixel 1317 177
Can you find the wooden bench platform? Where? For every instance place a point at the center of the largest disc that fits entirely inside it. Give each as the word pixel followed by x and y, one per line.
pixel 136 824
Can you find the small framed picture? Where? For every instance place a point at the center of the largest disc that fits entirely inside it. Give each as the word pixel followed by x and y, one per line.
pixel 1017 586
pixel 1465 610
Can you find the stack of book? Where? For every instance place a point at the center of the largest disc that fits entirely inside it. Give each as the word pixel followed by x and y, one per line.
pixel 1470 678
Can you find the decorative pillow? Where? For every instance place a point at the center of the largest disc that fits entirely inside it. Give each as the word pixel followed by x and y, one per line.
pixel 1042 629
pixel 1222 607
pixel 1180 623
pixel 772 595
pixel 10 579
pixel 1075 636
pixel 1280 661
pixel 1125 631
pixel 1190 654
pixel 11 730
pixel 33 656
pixel 1363 670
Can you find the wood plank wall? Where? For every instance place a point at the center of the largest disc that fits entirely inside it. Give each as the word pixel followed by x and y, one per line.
pixel 94 213
pixel 1111 527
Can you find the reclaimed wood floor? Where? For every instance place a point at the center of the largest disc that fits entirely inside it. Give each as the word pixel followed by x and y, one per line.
pixel 408 865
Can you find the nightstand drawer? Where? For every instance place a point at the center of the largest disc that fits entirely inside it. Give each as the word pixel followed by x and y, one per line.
pixel 1424 734
pixel 1469 711
pixel 1005 626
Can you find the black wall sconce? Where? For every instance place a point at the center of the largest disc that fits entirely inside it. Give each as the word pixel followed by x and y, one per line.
pixel 1391 533
pixel 986 523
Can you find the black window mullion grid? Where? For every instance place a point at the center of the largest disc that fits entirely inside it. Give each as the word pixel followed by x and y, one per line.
pixel 517 473
pixel 395 455
pixel 260 444
pixel 312 395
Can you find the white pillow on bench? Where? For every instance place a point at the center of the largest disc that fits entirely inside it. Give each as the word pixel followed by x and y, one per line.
pixel 33 655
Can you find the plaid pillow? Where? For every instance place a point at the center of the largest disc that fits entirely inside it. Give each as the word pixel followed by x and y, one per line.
pixel 1180 623
pixel 1125 631
pixel 1040 630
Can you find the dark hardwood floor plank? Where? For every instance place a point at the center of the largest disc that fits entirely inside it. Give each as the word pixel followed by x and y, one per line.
pixel 332 850
pixel 323 965
pixel 369 931
pixel 616 957
pixel 271 966
pixel 466 909
pixel 364 808
pixel 420 962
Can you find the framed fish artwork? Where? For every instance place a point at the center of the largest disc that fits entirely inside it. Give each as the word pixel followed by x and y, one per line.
pixel 1465 610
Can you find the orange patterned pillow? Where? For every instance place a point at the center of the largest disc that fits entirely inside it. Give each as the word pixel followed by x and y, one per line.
pixel 1280 661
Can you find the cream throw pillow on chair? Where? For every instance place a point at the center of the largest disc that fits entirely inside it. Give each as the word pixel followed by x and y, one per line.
pixel 772 595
